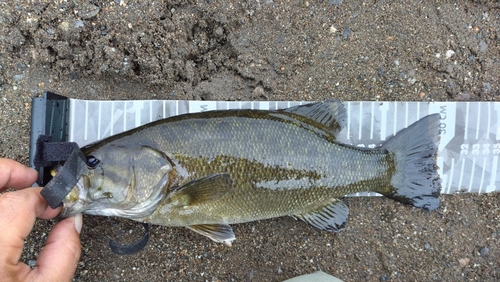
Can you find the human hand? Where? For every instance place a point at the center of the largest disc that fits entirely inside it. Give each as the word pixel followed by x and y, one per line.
pixel 18 211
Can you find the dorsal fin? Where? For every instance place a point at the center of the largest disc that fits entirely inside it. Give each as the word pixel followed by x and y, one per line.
pixel 331 114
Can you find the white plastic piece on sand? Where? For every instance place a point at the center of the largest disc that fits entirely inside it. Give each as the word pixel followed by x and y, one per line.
pixel 319 276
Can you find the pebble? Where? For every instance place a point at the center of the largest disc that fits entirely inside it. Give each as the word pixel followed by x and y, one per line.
pixel 346 33
pixel 334 2
pixel 258 91
pixel 64 26
pixel 463 96
pixel 484 251
pixel 88 11
pixel 483 46
pixel 463 261
pixel 79 23
pixel 487 87
pixel 427 246
pixel 31 263
pixel 219 31
pixel 381 71
pixel 18 77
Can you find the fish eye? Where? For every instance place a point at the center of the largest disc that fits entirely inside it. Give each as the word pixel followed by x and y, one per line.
pixel 92 161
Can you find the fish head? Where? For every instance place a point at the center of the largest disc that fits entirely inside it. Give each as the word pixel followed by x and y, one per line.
pixel 120 181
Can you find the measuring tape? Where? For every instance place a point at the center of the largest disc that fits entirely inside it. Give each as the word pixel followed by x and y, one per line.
pixel 468 152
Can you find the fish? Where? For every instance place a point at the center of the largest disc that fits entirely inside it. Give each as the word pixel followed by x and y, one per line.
pixel 206 171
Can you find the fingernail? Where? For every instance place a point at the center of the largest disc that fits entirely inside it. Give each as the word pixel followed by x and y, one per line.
pixel 78 222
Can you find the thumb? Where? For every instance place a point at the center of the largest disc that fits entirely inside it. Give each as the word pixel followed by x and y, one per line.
pixel 59 258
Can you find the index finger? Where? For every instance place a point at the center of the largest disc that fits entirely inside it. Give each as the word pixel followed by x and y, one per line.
pixel 15 175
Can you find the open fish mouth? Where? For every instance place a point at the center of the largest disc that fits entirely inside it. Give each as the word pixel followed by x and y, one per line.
pixel 77 199
pixel 74 201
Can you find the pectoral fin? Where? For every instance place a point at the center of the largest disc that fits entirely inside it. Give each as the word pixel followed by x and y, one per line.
pixel 221 233
pixel 332 217
pixel 203 190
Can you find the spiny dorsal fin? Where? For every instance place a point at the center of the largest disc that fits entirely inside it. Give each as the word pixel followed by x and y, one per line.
pixel 331 114
pixel 332 217
pixel 221 233
pixel 210 188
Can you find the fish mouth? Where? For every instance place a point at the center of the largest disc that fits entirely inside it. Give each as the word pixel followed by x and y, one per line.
pixel 76 201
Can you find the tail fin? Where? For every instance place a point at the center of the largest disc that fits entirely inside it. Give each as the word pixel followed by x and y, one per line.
pixel 414 149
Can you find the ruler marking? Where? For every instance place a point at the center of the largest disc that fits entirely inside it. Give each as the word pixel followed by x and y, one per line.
pixel 472 172
pixel 478 120
pixel 383 122
pixel 138 114
pixel 150 111
pixel 372 121
pixel 461 174
pixel 164 110
pixel 112 117
pixel 406 114
pixel 466 127
pixel 72 131
pixel 360 119
pixel 497 108
pixel 99 122
pixel 489 117
pixel 482 176
pixel 395 118
pixel 493 176
pixel 348 120
pixel 124 115
pixel 450 178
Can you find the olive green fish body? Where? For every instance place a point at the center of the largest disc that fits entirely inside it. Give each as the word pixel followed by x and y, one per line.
pixel 224 167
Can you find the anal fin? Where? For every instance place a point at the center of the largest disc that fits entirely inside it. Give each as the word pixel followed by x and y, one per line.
pixel 221 233
pixel 332 217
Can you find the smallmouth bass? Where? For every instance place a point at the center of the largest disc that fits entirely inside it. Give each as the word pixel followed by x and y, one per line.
pixel 207 170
